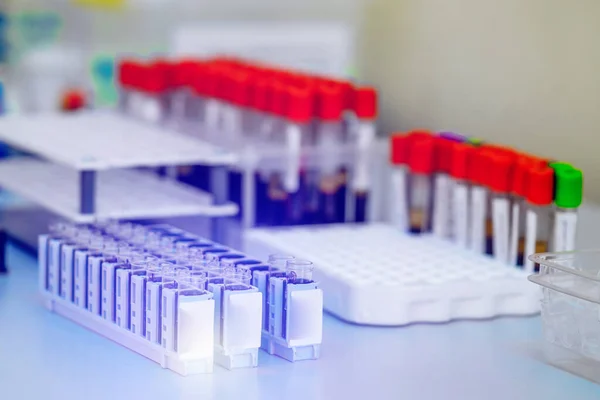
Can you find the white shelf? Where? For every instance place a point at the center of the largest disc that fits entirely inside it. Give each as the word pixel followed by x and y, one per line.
pixel 122 194
pixel 103 140
pixel 377 275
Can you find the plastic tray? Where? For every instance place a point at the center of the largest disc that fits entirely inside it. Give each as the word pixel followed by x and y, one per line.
pixel 571 310
pixel 373 274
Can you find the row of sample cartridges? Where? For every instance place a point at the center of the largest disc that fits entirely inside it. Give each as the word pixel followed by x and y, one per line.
pixel 183 293
pixel 488 198
pixel 307 138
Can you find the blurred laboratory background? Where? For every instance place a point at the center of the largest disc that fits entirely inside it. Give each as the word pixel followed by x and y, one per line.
pixel 518 72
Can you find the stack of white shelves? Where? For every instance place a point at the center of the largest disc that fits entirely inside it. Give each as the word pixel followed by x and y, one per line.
pixel 81 176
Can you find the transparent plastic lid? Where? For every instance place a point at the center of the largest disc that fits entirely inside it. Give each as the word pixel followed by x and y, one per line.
pixel 575 273
pixel 584 263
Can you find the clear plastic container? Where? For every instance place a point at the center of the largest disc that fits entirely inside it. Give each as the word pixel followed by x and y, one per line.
pixel 570 308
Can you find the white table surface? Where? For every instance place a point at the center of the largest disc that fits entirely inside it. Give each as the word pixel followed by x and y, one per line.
pixel 43 355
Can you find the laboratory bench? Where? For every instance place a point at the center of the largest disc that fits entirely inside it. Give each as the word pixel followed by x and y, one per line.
pixel 45 355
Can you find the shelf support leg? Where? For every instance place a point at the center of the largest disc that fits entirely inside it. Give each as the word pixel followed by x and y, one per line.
pixel 87 192
pixel 3 244
pixel 219 187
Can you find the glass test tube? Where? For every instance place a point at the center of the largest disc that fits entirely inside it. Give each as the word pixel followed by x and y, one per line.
pixel 299 271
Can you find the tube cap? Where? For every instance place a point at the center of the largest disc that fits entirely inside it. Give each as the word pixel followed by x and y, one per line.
pixel 521 169
pixel 501 172
pixel 182 72
pixel 277 98
pixel 556 165
pixel 443 154
pixel 569 187
pixel 239 89
pixel 156 77
pixel 540 185
pixel 365 103
pixel 399 148
pixel 300 104
pixel 330 102
pixel 461 154
pixel 260 94
pixel 420 157
pixel 479 166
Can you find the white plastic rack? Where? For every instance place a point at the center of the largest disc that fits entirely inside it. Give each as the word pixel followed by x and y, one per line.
pixel 89 143
pixel 374 274
pixel 120 194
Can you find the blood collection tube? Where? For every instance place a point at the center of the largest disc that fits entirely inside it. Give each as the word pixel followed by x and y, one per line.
pixel 501 175
pixel 365 109
pixel 540 192
pixel 442 192
pixel 155 89
pixel 523 164
pixel 569 194
pixel 300 108
pixel 181 98
pixel 126 75
pixel 398 202
pixel 461 155
pixel 330 139
pixel 276 198
pixel 480 213
pixel 420 161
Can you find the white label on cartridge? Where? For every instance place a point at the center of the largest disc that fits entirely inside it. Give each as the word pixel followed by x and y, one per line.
pixel 513 249
pixel 530 239
pixel 460 209
pixel 565 225
pixel 54 266
pixel 398 198
pixel 242 315
pixel 441 206
pixel 292 173
pixel 108 290
pixel 43 261
pixel 500 213
pixel 169 318
pixel 94 273
pixel 153 303
pixel 195 334
pixel 305 317
pixel 138 304
pixel 122 297
pixel 80 293
pixel 477 219
pixel 66 271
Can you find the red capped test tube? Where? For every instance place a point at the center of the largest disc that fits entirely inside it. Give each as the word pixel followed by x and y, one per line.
pixel 540 194
pixel 420 161
pixel 461 158
pixel 330 138
pixel 442 193
pixel 365 109
pixel 398 188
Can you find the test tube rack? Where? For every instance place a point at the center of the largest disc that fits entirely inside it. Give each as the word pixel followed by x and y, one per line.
pixel 227 327
pixel 373 274
pixel 78 172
